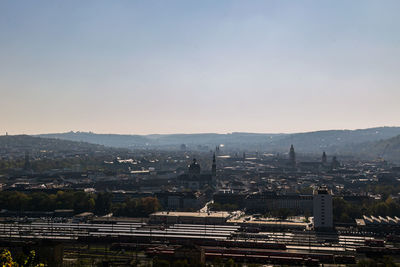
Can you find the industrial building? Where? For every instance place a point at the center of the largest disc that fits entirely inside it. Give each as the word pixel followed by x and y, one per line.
pixel 190 217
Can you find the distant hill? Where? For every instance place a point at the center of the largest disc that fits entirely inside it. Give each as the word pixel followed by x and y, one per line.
pixel 388 149
pixel 111 140
pixel 10 143
pixel 166 140
pixel 234 140
pixel 332 141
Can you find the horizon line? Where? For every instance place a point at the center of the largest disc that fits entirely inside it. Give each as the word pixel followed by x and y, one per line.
pixel 194 133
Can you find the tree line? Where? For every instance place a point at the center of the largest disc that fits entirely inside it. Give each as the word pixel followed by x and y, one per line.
pixel 343 211
pixel 346 212
pixel 79 201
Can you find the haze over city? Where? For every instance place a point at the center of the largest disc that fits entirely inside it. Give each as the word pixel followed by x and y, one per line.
pixel 187 66
pixel 181 133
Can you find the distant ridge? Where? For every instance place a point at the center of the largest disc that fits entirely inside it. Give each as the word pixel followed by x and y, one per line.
pixel 163 140
pixel 111 140
pixel 388 149
pixel 34 144
pixel 331 141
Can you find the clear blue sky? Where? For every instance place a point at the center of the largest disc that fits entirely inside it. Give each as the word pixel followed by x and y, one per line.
pixel 198 66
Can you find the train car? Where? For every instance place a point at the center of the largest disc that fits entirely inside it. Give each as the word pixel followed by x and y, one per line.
pixel 292 261
pixel 325 258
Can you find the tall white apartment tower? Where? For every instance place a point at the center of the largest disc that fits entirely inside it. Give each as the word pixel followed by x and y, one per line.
pixel 322 209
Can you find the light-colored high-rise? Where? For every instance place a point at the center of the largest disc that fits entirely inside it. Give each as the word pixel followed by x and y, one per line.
pixel 322 209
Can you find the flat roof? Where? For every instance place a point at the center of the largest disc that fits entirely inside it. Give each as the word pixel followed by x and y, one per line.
pixel 271 223
pixel 222 214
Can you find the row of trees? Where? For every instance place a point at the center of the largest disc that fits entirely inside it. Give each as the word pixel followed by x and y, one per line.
pixel 133 207
pixel 79 201
pixel 344 211
pixel 39 201
pixel 384 189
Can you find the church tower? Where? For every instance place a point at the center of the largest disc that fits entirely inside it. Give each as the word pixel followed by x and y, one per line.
pixel 324 160
pixel 292 156
pixel 214 167
pixel 335 163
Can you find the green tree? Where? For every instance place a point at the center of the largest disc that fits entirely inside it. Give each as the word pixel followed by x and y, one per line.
pixel 103 203
pixel 149 205
pixel 6 259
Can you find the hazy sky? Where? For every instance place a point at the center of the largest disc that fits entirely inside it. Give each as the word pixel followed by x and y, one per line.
pixel 198 66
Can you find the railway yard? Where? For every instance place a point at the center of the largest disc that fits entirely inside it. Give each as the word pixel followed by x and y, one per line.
pixel 124 241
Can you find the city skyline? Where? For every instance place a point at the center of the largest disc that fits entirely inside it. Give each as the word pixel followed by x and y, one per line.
pixel 151 67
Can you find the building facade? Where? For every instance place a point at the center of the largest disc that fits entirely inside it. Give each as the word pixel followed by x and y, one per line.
pixel 322 209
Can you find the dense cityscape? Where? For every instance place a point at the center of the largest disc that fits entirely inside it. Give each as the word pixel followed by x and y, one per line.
pixel 180 133
pixel 86 204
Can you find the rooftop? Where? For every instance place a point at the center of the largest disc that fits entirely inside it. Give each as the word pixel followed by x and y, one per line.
pixel 222 214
